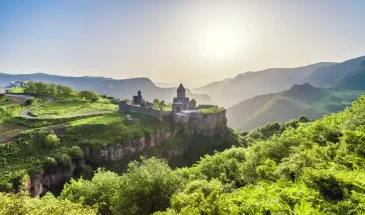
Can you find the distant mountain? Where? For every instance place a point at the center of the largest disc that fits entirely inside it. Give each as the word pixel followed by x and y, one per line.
pixel 214 86
pixel 354 81
pixel 330 75
pixel 124 88
pixel 229 92
pixel 165 85
pixel 290 104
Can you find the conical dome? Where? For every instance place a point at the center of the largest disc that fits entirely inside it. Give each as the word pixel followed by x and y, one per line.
pixel 181 88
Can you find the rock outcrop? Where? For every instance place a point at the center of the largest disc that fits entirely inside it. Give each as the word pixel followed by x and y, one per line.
pixel 54 181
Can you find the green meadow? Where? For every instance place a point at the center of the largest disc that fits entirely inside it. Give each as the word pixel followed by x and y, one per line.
pixel 72 107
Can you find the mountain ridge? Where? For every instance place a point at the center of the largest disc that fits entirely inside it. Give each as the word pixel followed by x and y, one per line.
pixel 229 92
pixel 289 104
pixel 121 88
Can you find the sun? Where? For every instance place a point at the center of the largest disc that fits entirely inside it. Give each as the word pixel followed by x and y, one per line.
pixel 220 43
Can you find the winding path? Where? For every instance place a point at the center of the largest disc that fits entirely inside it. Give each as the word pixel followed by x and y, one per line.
pixel 25 113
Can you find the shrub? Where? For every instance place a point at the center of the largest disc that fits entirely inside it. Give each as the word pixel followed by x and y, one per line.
pixel 35 170
pixel 29 102
pixel 52 140
pixel 76 152
pixel 85 171
pixel 64 160
pixel 49 163
pixel 303 119
pixel 89 95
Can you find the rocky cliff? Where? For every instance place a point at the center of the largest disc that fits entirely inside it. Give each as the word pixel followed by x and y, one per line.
pixel 54 181
pixel 168 144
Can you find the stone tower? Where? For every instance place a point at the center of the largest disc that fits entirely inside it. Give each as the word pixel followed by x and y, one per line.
pixel 181 91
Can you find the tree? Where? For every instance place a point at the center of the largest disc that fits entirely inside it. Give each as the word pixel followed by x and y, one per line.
pixel 158 105
pixel 30 88
pixel 146 188
pixel 51 90
pixel 64 92
pixel 41 89
pixel 89 95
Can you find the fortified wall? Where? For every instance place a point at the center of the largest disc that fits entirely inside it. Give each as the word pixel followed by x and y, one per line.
pixel 185 114
pixel 161 115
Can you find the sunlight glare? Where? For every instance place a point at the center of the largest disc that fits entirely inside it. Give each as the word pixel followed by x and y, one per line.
pixel 220 43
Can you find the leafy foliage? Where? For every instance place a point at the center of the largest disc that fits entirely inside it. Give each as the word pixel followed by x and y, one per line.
pixel 41 89
pixel 159 105
pixel 89 95
pixel 23 204
pixel 298 167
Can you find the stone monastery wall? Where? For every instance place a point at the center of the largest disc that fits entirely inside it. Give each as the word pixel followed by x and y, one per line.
pixel 124 107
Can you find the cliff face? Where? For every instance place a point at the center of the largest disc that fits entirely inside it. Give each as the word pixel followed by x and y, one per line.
pixel 40 184
pixel 116 156
pixel 208 124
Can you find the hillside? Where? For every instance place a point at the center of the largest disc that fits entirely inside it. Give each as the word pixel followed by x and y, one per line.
pixel 307 168
pixel 330 75
pixel 353 81
pixel 124 88
pixel 281 107
pixel 231 91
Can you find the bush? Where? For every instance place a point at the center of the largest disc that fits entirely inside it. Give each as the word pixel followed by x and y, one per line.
pixel 303 119
pixel 49 163
pixel 64 161
pixel 89 95
pixel 76 152
pixel 85 171
pixel 29 102
pixel 52 140
pixel 35 170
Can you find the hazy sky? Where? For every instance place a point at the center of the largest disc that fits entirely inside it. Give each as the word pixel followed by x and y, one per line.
pixel 193 41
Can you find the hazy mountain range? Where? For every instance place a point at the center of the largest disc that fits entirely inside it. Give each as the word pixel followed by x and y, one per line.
pixel 231 91
pixel 253 98
pixel 124 88
pixel 344 87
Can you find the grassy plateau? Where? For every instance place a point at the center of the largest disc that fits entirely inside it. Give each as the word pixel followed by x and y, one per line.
pixel 72 107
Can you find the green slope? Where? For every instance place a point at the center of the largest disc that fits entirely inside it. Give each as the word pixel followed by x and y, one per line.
pixel 299 100
pixel 354 81
pixel 330 75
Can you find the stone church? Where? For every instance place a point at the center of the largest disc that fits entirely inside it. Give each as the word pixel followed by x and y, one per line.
pixel 181 102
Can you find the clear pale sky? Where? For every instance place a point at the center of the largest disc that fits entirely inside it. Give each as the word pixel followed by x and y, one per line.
pixel 195 41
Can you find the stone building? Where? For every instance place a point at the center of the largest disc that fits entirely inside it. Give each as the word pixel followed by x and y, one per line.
pixel 192 105
pixel 181 102
pixel 137 100
pixel 184 112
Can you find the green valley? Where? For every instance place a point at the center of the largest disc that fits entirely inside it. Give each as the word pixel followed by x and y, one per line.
pixel 281 107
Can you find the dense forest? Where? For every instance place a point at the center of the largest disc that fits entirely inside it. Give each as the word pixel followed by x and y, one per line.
pixel 299 167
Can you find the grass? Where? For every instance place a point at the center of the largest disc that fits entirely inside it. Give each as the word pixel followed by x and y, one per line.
pixel 8 130
pixel 72 107
pixel 166 108
pixel 16 90
pixel 8 100
pixel 111 129
pixel 211 110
